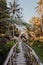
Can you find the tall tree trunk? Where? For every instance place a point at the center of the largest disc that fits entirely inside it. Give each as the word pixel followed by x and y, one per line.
pixel 13 33
pixel 42 24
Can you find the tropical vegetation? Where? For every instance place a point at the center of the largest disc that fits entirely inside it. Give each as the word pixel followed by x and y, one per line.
pixel 10 19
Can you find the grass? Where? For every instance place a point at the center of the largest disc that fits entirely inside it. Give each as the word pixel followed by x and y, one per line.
pixel 38 47
pixel 4 49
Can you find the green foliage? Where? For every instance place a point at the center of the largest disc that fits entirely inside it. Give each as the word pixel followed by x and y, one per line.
pixel 4 14
pixel 17 49
pixel 38 48
pixel 3 7
pixel 4 49
pixel 16 32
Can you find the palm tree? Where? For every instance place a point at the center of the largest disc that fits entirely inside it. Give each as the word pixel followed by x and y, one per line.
pixel 40 11
pixel 4 15
pixel 15 10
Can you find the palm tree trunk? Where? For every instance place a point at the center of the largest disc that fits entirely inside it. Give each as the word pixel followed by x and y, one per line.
pixel 13 32
pixel 42 23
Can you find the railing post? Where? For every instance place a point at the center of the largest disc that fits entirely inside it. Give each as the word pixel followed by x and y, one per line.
pixel 10 61
pixel 15 52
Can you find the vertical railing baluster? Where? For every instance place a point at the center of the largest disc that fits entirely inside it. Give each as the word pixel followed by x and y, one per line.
pixel 10 62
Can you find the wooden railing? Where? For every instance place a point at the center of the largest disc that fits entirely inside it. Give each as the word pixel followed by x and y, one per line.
pixel 28 51
pixel 11 54
pixel 31 53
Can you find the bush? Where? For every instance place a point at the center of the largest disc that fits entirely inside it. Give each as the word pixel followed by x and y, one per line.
pixel 4 49
pixel 3 41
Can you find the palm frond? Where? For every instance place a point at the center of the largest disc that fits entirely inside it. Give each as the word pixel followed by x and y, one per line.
pixel 17 5
pixel 26 25
pixel 10 4
pixel 36 7
pixel 14 4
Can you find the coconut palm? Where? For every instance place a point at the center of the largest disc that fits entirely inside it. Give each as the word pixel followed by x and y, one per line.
pixel 15 10
pixel 40 11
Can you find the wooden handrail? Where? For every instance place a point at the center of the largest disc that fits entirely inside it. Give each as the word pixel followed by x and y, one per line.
pixel 34 54
pixel 10 54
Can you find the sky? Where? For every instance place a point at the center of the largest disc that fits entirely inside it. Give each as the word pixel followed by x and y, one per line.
pixel 28 8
